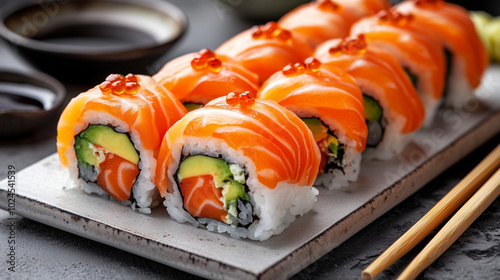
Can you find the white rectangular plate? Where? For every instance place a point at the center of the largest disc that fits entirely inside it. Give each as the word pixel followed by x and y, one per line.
pixel 44 194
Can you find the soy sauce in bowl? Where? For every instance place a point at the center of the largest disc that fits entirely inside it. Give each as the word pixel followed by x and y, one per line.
pixel 97 36
pixel 28 102
pixel 25 97
pixel 85 40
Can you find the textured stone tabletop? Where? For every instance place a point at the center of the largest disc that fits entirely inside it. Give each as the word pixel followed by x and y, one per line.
pixel 44 252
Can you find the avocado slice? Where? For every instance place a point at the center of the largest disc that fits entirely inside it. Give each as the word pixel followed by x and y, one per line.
pixel 192 106
pixel 85 152
pixel 201 165
pixel 106 137
pixel 229 177
pixel 373 110
pixel 318 130
pixel 333 144
pixel 232 191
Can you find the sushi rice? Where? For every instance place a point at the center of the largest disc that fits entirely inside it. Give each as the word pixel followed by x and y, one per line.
pixel 275 209
pixel 351 163
pixel 144 190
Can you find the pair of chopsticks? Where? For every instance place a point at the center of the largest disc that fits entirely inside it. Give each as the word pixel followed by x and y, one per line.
pixel 472 185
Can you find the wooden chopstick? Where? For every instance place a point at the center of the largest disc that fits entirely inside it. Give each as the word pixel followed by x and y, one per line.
pixel 443 209
pixel 454 227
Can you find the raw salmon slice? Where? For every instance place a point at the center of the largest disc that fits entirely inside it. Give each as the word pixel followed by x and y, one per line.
pixel 202 198
pixel 117 176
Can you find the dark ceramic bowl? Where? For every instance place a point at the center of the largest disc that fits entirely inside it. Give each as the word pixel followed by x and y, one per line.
pixel 85 40
pixel 28 101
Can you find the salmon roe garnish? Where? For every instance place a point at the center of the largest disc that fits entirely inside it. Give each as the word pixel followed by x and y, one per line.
pixel 282 34
pixel 328 5
pixel 300 67
pixel 270 27
pixel 271 30
pixel 131 78
pixel 337 50
pixel 232 99
pixel 245 99
pixel 105 86
pixel 351 46
pixel 206 53
pixel 311 64
pixel 428 2
pixel 289 70
pixel 118 87
pixel 119 84
pixel 206 59
pixel 215 65
pixel 394 17
pixel 132 87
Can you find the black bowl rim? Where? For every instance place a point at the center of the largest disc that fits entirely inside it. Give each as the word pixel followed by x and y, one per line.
pixel 158 5
pixel 34 78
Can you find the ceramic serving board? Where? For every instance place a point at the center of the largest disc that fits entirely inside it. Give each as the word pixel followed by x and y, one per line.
pixel 44 194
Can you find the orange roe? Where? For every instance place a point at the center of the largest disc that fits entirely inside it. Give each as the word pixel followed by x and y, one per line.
pixel 206 59
pixel 232 99
pixel 310 65
pixel 394 17
pixel 244 100
pixel 328 5
pixel 271 30
pixel 350 46
pixel 428 2
pixel 118 84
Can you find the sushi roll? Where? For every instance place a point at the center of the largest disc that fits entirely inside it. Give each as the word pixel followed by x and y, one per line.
pixel 355 10
pixel 239 165
pixel 108 136
pixel 197 78
pixel 330 102
pixel 393 109
pixel 421 57
pixel 265 49
pixel 467 57
pixel 316 22
pixel 322 20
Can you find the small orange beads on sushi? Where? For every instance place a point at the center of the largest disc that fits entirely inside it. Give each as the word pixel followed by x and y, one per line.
pixel 394 17
pixel 328 5
pixel 244 100
pixel 428 2
pixel 310 64
pixel 269 31
pixel 351 45
pixel 214 65
pixel 232 99
pixel 266 49
pixel 119 84
pixel 289 70
pixel 300 67
pixel 206 59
